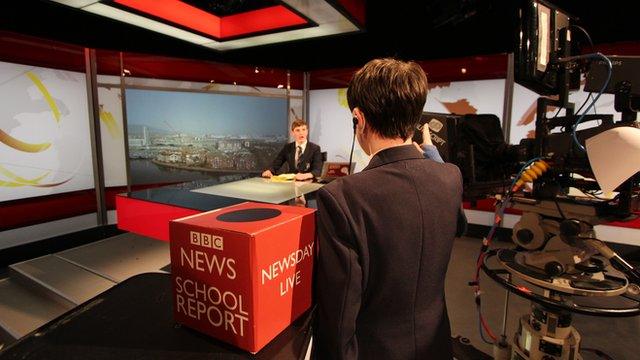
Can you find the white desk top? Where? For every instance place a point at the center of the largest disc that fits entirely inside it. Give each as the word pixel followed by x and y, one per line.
pixel 263 190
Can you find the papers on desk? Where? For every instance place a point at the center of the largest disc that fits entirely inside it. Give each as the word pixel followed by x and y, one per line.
pixel 283 177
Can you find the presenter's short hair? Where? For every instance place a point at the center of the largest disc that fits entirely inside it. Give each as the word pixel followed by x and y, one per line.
pixel 391 94
pixel 297 123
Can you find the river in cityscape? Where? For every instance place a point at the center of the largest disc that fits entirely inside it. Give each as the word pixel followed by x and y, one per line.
pixel 144 171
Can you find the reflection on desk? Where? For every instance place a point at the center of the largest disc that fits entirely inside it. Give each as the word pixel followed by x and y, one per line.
pixel 183 198
pixel 134 320
pixel 262 190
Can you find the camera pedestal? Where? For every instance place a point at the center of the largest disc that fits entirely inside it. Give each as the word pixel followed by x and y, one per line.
pixel 554 307
pixel 546 334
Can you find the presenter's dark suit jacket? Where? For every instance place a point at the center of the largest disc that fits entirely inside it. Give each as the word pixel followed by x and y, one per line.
pixel 311 159
pixel 385 237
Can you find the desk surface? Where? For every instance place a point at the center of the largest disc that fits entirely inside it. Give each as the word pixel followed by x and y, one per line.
pixel 262 190
pixel 205 197
pixel 184 198
pixel 134 320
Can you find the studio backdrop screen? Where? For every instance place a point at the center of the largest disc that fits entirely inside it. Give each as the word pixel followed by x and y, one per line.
pixel 45 143
pixel 178 136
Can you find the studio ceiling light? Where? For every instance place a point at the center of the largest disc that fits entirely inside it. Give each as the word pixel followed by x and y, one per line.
pixel 224 25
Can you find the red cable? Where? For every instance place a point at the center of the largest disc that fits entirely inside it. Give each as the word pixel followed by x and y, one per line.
pixel 486 328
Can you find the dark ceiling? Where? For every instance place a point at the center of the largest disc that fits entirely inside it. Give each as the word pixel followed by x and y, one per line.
pixel 417 30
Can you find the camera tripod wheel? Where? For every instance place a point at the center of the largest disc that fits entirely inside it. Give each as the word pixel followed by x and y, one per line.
pixel 546 333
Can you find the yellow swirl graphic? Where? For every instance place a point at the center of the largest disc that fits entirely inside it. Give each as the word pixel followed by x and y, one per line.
pixel 47 97
pixel 21 145
pixel 16 184
pixel 16 180
pixel 110 122
pixel 10 184
pixel 51 184
pixel 342 98
pixel 20 179
pixel 24 146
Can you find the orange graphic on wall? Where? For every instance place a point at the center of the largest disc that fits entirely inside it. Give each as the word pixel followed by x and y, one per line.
pixel 460 107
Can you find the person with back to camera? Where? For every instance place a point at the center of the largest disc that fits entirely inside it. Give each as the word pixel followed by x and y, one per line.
pixel 385 234
pixel 303 157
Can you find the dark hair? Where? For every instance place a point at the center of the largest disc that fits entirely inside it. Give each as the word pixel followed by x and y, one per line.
pixel 391 94
pixel 297 122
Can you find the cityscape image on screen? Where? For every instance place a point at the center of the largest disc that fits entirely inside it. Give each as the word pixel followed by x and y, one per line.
pixel 178 136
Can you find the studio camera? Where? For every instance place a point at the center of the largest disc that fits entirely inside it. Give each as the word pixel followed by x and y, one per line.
pixel 580 170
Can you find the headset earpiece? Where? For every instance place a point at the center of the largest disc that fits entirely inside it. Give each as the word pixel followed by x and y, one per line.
pixel 353 142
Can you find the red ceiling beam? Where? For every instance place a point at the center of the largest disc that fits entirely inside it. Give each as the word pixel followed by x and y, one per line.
pixel 261 20
pixel 204 23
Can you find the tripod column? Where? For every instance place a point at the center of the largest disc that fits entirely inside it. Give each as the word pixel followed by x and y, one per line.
pixel 546 334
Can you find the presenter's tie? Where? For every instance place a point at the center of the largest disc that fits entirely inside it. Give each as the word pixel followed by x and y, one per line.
pixel 298 157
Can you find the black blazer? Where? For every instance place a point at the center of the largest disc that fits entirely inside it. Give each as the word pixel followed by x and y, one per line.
pixel 311 159
pixel 384 241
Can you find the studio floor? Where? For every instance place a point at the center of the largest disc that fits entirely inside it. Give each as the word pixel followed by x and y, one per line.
pixel 39 290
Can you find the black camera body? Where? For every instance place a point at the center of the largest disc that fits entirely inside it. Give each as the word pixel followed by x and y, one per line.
pixel 475 143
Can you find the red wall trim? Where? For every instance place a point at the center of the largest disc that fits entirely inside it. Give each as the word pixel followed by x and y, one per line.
pixel 443 70
pixel 30 211
pixel 618 48
pixel 152 66
pixel 22 49
pixel 36 210
pixel 30 50
pixel 488 206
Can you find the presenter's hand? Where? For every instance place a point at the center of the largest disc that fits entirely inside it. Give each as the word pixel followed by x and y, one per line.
pixel 426 138
pixel 418 147
pixel 426 135
pixel 267 174
pixel 303 176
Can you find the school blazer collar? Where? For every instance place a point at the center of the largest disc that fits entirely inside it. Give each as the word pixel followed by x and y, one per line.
pixel 393 154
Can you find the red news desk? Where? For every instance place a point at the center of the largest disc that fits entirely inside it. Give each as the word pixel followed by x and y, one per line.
pixel 148 212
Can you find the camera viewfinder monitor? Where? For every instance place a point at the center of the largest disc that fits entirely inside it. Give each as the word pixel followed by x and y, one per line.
pixel 540 41
pixel 624 83
pixel 624 69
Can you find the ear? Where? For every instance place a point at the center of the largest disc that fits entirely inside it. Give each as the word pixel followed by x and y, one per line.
pixel 359 119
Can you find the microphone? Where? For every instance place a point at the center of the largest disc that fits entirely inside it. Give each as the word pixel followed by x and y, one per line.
pixel 353 142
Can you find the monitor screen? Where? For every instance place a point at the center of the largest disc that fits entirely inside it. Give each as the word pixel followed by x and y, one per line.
pixel 539 44
pixel 332 170
pixel 624 69
pixel 544 43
